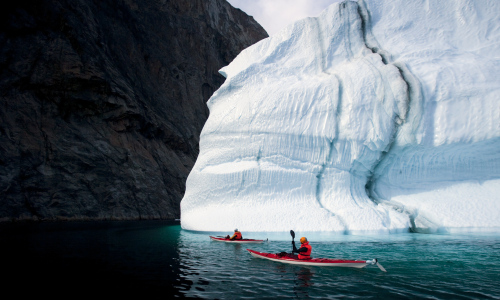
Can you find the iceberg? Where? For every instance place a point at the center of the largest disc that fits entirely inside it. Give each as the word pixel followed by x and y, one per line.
pixel 375 116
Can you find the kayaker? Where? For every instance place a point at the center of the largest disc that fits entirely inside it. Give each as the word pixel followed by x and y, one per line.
pixel 304 252
pixel 237 235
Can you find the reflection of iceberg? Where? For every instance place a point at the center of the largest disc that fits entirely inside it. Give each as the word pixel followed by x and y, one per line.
pixel 377 115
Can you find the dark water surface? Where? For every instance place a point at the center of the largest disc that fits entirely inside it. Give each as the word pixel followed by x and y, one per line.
pixel 159 260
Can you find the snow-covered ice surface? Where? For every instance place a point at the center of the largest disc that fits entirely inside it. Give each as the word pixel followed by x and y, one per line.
pixel 376 116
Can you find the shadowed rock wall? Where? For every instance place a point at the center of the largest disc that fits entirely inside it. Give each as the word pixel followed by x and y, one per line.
pixel 102 102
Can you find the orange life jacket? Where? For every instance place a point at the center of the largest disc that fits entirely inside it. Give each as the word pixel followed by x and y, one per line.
pixel 237 236
pixel 307 254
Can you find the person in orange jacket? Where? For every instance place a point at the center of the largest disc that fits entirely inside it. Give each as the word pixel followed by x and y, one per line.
pixel 237 235
pixel 304 252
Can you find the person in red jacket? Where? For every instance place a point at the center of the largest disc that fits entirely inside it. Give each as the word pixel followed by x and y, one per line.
pixel 237 235
pixel 304 252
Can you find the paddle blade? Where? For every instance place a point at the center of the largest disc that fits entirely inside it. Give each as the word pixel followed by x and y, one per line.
pixel 380 267
pixel 292 234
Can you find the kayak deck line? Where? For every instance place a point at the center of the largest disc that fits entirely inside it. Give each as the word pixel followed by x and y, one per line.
pixel 292 259
pixel 242 241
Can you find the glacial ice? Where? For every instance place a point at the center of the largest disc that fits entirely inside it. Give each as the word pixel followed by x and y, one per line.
pixel 375 116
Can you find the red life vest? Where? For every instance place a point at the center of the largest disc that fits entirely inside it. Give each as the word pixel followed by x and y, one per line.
pixel 307 254
pixel 236 236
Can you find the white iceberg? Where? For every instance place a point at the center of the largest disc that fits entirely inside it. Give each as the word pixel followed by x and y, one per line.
pixel 376 116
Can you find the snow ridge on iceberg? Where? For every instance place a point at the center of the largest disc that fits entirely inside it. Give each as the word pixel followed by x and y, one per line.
pixel 307 124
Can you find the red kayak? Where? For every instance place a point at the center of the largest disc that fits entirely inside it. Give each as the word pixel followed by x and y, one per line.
pixel 293 259
pixel 242 241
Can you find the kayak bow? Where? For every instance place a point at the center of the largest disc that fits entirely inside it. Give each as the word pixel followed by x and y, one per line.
pixel 242 241
pixel 292 259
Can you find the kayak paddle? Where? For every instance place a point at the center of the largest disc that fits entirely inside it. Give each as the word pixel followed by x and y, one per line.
pixel 375 262
pixel 380 266
pixel 293 236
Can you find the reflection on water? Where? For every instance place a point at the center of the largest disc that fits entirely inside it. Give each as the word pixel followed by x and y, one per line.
pixel 158 260
pixel 117 259
pixel 304 276
pixel 303 283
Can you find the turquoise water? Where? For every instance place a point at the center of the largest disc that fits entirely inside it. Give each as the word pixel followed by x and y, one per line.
pixel 158 260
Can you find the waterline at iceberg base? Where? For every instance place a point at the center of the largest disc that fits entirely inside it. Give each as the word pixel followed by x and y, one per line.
pixel 376 116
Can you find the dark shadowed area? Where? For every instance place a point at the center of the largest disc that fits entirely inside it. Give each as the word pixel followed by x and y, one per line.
pixel 103 101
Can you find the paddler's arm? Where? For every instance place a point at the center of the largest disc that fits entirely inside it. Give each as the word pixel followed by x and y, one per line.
pixel 295 250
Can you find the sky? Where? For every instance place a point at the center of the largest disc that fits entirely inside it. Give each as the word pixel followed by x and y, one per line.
pixel 274 15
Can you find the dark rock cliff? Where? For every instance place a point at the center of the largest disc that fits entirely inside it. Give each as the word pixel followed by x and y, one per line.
pixel 103 101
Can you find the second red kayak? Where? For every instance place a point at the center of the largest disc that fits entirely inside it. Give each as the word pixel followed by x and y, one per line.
pixel 242 241
pixel 292 259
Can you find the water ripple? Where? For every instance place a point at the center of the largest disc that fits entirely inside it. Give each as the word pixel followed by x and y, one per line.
pixel 158 260
pixel 422 268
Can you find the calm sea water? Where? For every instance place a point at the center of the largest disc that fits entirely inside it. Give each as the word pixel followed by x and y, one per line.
pixel 159 260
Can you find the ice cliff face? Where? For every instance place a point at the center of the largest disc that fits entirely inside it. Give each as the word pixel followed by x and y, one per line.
pixel 374 116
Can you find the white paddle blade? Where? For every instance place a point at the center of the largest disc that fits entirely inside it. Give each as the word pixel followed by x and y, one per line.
pixel 380 267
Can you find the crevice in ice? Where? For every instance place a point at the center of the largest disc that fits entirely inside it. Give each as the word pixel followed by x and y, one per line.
pixel 419 223
pixel 370 41
pixel 319 177
pixel 253 183
pixel 259 155
pixel 371 44
pixel 328 161
pixel 405 124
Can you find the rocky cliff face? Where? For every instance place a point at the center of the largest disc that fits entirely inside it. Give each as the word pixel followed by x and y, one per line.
pixel 102 102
